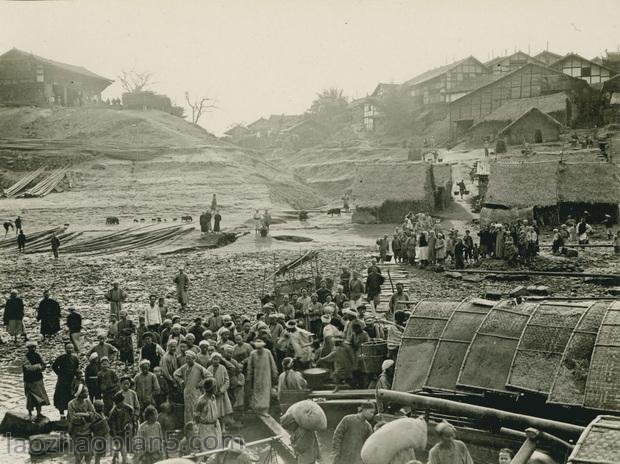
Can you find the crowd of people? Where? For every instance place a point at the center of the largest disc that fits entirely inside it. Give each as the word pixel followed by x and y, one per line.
pixel 215 366
pixel 421 241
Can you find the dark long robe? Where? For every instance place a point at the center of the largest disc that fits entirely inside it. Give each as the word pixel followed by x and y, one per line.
pixel 66 367
pixel 34 388
pixel 124 340
pixel 48 313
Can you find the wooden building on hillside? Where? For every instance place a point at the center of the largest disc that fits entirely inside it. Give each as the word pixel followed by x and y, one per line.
pixel 431 87
pixel 612 60
pixel 506 64
pixel 533 126
pixel 532 80
pixel 547 57
pixel 611 91
pixel 557 106
pixel 577 66
pixel 28 79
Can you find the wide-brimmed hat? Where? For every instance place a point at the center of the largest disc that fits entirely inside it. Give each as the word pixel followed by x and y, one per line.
pixel 259 343
pixel 291 324
pixel 326 319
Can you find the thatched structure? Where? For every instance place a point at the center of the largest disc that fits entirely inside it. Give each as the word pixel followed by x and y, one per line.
pixel 387 191
pixel 555 189
pixel 520 185
pixel 442 182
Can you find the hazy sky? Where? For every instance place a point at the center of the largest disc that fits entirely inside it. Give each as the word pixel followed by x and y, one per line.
pixel 272 56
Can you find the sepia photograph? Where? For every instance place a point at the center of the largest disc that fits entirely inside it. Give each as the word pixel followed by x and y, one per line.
pixel 310 232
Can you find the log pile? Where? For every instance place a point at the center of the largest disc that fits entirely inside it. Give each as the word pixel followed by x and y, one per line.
pixel 126 240
pixel 23 183
pixel 33 240
pixel 47 185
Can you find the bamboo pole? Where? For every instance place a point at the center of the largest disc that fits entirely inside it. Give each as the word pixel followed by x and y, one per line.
pixel 508 419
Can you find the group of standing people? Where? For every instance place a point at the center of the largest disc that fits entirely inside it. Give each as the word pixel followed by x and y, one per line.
pixel 262 221
pixel 211 215
pixel 420 240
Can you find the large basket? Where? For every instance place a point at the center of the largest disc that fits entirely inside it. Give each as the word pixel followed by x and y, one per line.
pixel 373 353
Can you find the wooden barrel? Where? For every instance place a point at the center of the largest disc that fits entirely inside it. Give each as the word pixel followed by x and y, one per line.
pixel 317 377
pixel 373 353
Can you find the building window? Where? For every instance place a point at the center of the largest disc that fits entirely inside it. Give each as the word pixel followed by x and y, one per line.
pixel 586 71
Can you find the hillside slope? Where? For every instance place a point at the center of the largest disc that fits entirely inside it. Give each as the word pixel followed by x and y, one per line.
pixel 137 165
pixel 102 126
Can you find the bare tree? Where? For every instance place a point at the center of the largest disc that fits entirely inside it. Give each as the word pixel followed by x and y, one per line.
pixel 199 106
pixel 134 81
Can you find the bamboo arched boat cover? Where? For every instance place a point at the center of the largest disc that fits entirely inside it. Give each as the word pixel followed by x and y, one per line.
pixel 434 343
pixel 568 352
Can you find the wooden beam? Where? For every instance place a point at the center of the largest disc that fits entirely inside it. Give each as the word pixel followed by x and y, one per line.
pixel 508 419
pixel 539 273
pixel 277 430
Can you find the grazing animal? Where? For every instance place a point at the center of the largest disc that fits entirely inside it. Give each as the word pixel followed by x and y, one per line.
pixel 165 220
pixel 187 219
pixel 153 220
pixel 135 220
pixel 174 219
pixel 111 220
pixel 333 211
pixel 158 219
pixel 303 215
pixel 142 220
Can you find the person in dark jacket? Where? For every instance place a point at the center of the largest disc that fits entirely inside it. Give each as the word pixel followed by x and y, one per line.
pixel 459 250
pixel 21 242
pixel 18 224
pixel 205 223
pixel 33 368
pixel 373 287
pixel 74 323
pixel 217 218
pixel 48 313
pixel 55 242
pixel 14 316
pixel 66 366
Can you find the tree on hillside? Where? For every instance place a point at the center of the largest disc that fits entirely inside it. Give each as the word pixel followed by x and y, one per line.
pixel 199 106
pixel 330 109
pixel 133 81
pixel 396 105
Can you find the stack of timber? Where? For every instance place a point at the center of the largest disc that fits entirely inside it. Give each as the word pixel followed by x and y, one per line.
pixel 47 185
pixel 33 240
pixel 23 183
pixel 126 240
pixel 75 241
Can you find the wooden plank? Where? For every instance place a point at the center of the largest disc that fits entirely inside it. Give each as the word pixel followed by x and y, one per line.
pixel 277 430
